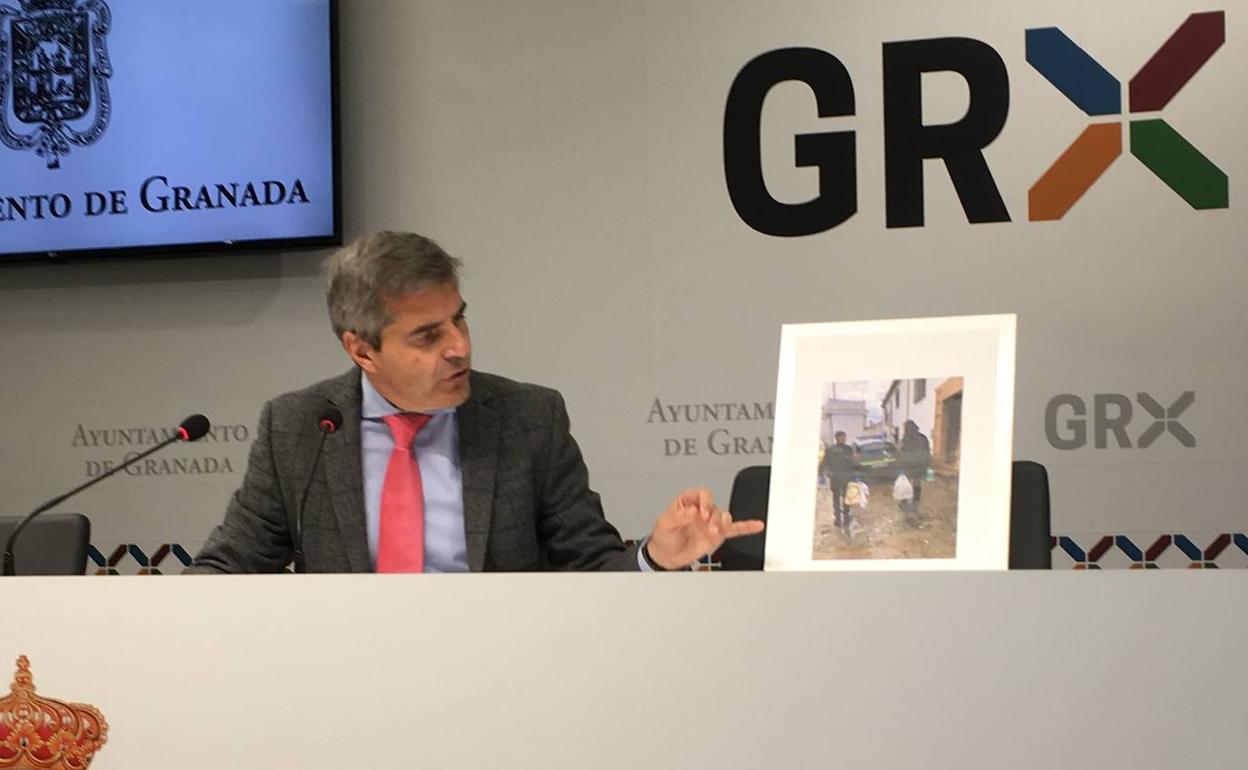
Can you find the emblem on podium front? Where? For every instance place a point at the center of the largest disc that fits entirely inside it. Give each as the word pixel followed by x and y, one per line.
pixel 44 733
pixel 54 73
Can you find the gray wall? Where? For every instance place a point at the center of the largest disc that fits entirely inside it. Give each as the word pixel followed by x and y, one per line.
pixel 570 153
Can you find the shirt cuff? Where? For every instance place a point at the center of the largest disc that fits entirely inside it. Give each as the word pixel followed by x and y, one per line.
pixel 641 557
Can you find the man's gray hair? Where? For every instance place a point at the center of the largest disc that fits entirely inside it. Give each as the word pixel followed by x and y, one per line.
pixel 360 276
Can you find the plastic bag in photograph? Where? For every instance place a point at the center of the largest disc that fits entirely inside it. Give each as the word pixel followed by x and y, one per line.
pixel 851 494
pixel 857 493
pixel 902 489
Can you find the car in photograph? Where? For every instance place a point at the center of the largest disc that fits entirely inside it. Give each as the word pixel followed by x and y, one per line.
pixel 876 459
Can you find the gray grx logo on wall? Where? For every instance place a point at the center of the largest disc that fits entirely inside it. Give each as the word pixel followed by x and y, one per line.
pixel 1066 420
pixel 52 53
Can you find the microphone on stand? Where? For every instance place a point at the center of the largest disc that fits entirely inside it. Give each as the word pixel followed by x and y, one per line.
pixel 329 420
pixel 192 428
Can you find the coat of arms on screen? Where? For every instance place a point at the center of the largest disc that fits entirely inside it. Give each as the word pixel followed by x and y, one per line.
pixel 54 72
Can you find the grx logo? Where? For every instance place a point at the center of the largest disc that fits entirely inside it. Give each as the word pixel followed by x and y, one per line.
pixel 909 142
pixel 1096 92
pixel 1066 420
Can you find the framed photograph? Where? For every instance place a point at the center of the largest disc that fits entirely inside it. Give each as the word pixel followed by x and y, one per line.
pixel 893 445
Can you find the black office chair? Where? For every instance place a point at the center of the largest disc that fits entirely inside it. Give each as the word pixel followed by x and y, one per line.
pixel 1029 517
pixel 52 544
pixel 748 501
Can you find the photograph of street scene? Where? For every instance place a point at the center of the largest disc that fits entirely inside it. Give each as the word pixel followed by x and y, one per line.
pixel 888 469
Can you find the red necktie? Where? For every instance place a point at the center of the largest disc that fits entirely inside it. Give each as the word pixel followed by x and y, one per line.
pixel 401 538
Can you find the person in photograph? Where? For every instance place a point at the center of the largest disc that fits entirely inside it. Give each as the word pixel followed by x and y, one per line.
pixel 914 457
pixel 838 468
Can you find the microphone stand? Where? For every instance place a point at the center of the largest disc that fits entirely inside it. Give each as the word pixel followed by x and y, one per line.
pixel 303 500
pixel 329 421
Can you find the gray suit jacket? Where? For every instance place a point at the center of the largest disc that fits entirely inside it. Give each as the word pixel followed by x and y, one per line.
pixel 527 501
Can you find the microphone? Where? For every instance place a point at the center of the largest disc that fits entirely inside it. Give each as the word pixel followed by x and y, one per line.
pixel 328 421
pixel 192 428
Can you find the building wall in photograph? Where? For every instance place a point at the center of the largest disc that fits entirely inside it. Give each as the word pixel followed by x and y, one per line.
pixel 843 414
pixel 909 400
pixel 946 425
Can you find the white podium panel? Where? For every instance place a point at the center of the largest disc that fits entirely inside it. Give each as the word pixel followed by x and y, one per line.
pixel 889 670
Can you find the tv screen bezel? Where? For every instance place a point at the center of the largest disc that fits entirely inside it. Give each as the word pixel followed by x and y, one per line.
pixel 216 248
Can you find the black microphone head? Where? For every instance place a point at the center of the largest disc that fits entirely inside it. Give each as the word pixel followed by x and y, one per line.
pixel 330 419
pixel 194 428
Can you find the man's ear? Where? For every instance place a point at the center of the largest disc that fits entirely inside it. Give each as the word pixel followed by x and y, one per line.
pixel 362 353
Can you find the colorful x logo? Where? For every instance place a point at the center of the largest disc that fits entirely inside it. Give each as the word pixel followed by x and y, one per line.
pixel 1158 146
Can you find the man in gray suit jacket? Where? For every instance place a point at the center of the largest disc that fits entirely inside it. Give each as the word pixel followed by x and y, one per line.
pixel 513 493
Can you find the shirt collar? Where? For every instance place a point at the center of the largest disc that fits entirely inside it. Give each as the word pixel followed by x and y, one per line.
pixel 374 406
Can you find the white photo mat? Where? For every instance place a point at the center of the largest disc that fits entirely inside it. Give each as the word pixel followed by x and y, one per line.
pixel 979 349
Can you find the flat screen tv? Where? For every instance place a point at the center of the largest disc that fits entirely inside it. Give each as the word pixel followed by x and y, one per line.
pixel 167 126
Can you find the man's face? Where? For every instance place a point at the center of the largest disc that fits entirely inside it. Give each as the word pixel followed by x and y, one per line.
pixel 425 351
pixel 840 438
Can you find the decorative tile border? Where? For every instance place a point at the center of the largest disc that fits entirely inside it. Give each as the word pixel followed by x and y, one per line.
pixel 1087 551
pixel 132 559
pixel 1222 550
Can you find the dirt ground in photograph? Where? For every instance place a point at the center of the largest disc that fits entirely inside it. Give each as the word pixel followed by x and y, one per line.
pixel 884 531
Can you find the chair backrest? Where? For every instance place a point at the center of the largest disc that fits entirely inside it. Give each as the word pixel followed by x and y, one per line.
pixel 1029 517
pixel 748 501
pixel 52 544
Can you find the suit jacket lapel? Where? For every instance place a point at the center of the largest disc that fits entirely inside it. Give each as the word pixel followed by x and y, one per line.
pixel 344 473
pixel 478 457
